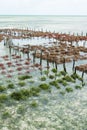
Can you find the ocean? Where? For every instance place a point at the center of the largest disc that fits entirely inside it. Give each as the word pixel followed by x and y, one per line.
pixel 52 109
pixel 64 24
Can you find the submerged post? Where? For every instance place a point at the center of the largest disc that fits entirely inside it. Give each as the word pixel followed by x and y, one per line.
pixel 82 74
pixel 4 41
pixel 64 66
pixel 34 56
pixel 73 68
pixel 28 51
pixel 41 58
pixel 28 55
pixel 47 60
pixel 10 50
pixel 55 63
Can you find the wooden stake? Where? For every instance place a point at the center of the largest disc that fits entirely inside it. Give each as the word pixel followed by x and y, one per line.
pixel 34 56
pixel 83 74
pixel 75 70
pixel 73 65
pixel 41 58
pixel 10 50
pixel 64 67
pixel 47 61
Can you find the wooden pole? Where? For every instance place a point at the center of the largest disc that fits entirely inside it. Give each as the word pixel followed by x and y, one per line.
pixel 56 65
pixel 47 60
pixel 53 62
pixel 64 66
pixel 83 74
pixel 73 65
pixel 41 58
pixel 34 56
pixel 28 55
pixel 75 70
pixel 10 50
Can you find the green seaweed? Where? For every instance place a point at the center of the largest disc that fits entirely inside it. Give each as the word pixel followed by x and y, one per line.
pixel 51 76
pixel 83 83
pixel 46 72
pixel 54 70
pixel 25 93
pixel 76 76
pixel 34 103
pixel 62 72
pixel 60 80
pixel 68 78
pixel 2 88
pixel 6 115
pixel 35 91
pixel 80 78
pixel 78 87
pixel 58 74
pixel 64 83
pixel 11 85
pixel 9 81
pixel 69 89
pixel 62 92
pixel 21 110
pixel 3 98
pixel 44 86
pixel 43 78
pixel 31 81
pixel 20 95
pixel 54 83
pixel 21 83
pixel 17 95
pixel 23 77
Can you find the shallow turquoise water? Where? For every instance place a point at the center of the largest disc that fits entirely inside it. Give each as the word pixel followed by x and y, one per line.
pixel 53 110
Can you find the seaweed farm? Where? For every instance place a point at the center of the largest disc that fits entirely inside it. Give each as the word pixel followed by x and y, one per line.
pixel 43 81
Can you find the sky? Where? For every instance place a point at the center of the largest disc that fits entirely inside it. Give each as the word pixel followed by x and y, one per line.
pixel 43 7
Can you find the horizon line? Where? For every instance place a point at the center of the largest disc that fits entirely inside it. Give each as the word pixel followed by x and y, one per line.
pixel 42 15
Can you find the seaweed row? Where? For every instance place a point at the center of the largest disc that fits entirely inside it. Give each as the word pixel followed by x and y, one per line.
pixel 55 79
